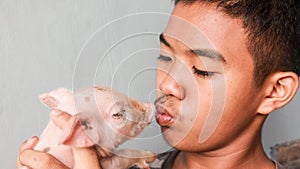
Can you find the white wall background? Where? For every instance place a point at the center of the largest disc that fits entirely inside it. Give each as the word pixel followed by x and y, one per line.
pixel 39 45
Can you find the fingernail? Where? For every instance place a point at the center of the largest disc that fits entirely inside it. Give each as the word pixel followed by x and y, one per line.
pixel 24 167
pixel 30 141
pixel 56 112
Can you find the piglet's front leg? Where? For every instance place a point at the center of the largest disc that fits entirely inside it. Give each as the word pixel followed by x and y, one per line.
pixel 126 158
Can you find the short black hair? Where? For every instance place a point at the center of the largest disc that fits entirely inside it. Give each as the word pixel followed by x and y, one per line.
pixel 272 28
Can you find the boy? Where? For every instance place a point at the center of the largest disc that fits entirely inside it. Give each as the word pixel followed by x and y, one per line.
pixel 225 65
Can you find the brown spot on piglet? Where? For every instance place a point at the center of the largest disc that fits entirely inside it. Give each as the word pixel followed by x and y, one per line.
pixel 87 99
pixel 46 149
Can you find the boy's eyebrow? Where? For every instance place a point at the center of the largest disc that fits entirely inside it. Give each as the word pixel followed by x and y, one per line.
pixel 163 40
pixel 209 53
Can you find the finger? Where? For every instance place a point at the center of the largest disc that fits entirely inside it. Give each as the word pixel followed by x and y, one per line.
pixel 86 158
pixel 60 118
pixel 28 144
pixel 39 160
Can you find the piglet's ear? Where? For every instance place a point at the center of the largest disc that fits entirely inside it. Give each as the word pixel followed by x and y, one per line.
pixel 60 99
pixel 74 134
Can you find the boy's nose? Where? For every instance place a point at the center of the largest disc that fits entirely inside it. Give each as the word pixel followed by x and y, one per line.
pixel 169 86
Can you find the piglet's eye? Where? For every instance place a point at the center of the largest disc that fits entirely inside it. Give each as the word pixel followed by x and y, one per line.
pixel 119 115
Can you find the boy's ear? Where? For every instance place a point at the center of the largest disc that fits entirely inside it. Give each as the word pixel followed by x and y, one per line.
pixel 278 90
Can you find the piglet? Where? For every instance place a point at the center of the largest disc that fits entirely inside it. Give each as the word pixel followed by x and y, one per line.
pixel 100 117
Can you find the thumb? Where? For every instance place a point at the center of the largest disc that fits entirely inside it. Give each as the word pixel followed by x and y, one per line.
pixel 86 158
pixel 60 118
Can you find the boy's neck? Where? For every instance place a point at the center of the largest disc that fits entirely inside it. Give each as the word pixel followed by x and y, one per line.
pixel 244 153
pixel 246 158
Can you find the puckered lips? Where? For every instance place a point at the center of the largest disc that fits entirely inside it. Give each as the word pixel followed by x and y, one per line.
pixel 163 116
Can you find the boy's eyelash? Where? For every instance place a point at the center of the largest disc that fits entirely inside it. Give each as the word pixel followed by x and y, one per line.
pixel 164 58
pixel 203 73
pixel 198 72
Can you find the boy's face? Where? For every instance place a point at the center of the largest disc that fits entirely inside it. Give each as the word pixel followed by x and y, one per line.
pixel 206 75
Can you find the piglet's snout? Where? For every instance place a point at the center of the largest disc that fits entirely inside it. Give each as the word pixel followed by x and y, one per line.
pixel 150 111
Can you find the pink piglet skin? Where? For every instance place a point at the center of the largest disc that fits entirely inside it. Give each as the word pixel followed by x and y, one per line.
pixel 101 117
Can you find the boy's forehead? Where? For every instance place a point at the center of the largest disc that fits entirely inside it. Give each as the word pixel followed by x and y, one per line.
pixel 200 26
pixel 186 33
